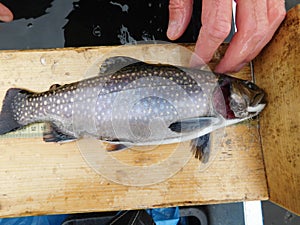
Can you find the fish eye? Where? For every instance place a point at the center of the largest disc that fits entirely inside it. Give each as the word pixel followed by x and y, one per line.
pixel 250 85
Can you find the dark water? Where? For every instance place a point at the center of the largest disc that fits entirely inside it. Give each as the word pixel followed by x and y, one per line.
pixel 73 23
pixel 100 22
pixel 27 8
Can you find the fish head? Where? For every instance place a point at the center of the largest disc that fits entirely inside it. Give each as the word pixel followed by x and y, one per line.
pixel 238 98
pixel 246 99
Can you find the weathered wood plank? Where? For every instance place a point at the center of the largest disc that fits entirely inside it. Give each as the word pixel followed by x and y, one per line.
pixel 47 178
pixel 277 69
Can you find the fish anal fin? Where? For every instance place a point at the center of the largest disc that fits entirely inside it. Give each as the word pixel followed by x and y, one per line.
pixel 192 124
pixel 53 134
pixel 116 63
pixel 201 148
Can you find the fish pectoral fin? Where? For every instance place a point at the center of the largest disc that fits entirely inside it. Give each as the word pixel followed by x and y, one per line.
pixel 192 124
pixel 53 134
pixel 116 63
pixel 201 148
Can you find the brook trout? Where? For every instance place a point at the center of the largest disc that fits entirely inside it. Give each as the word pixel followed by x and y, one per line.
pixel 135 103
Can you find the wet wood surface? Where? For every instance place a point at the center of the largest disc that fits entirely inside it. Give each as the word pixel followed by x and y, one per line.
pixel 48 178
pixel 277 69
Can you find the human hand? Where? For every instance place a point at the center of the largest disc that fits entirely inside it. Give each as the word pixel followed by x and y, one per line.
pixel 256 22
pixel 5 14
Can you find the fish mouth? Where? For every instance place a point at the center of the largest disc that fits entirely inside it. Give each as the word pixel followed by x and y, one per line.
pixel 256 109
pixel 241 99
pixel 246 98
pixel 258 104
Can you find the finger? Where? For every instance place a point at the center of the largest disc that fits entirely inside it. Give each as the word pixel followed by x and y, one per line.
pixel 257 22
pixel 180 12
pixel 276 13
pixel 5 14
pixel 251 23
pixel 216 24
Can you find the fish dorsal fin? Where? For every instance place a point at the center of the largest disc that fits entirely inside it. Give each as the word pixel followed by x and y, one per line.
pixel 113 64
pixel 54 86
pixel 192 124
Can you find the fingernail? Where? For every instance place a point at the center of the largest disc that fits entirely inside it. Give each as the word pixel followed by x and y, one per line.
pixel 5 18
pixel 172 30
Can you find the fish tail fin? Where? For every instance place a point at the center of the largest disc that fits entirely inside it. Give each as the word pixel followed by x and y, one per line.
pixel 7 119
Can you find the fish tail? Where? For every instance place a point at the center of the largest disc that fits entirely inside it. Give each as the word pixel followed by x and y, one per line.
pixel 7 118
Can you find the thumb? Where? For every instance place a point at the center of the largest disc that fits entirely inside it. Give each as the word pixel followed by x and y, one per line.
pixel 180 12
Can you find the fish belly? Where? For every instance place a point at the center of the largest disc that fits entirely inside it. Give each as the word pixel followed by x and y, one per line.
pixel 144 114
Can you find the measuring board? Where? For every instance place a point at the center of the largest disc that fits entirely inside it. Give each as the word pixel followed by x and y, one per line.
pixel 31 131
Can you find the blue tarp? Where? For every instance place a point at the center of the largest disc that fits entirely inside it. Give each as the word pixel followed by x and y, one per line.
pixel 162 216
pixel 165 216
pixel 34 220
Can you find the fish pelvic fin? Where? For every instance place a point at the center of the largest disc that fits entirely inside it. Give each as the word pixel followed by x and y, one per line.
pixel 201 148
pixel 8 122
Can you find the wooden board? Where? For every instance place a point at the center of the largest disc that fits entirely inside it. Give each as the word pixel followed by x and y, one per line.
pixel 277 69
pixel 47 178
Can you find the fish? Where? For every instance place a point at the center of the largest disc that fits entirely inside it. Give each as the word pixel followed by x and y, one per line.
pixel 134 103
